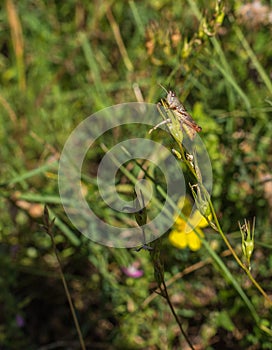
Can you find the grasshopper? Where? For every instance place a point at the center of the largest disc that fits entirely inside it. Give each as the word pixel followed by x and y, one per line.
pixel 187 123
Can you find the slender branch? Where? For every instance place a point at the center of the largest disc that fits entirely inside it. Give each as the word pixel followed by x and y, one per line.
pixel 159 276
pixel 166 295
pixel 48 226
pixel 256 284
pixel 119 40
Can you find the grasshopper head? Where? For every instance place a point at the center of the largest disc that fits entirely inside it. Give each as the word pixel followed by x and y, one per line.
pixel 172 99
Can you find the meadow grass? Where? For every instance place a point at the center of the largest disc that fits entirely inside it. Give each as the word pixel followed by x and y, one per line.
pixel 63 61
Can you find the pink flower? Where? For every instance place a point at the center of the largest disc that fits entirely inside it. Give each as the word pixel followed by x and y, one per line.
pixel 132 271
pixel 19 321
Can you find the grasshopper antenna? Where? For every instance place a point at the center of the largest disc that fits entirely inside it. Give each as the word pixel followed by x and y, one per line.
pixel 163 87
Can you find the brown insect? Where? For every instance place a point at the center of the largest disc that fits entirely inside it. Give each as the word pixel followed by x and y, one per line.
pixel 186 121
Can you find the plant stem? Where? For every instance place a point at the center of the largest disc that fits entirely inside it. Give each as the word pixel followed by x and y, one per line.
pixel 159 276
pixel 48 225
pixel 236 256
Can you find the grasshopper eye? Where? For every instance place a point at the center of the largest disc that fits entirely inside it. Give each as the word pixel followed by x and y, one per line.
pixel 170 97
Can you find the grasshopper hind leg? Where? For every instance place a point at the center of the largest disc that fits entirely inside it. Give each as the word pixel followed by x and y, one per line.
pixel 166 121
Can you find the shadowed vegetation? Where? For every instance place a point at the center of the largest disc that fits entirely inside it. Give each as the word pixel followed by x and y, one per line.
pixel 63 61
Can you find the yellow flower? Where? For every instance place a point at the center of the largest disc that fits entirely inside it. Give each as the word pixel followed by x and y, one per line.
pixel 182 234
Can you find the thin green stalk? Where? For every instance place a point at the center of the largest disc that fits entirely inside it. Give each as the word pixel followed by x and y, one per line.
pixel 240 263
pixel 28 174
pixel 223 65
pixel 226 71
pixel 48 226
pixel 118 37
pixel 217 259
pixel 137 17
pixel 94 68
pixel 133 179
pixel 266 79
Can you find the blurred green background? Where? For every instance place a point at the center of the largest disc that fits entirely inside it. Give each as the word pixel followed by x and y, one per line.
pixel 62 61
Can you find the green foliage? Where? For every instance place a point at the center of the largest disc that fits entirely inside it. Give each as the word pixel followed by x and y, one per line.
pixel 63 61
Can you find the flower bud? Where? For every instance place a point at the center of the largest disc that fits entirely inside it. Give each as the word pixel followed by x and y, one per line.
pixel 247 234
